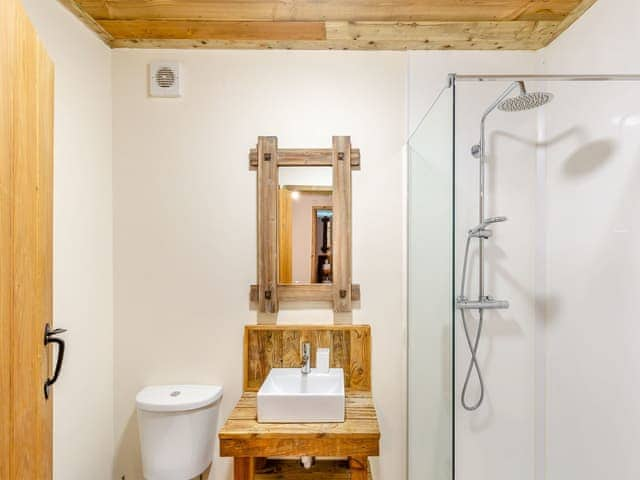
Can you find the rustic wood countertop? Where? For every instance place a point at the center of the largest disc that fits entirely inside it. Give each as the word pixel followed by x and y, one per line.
pixel 359 435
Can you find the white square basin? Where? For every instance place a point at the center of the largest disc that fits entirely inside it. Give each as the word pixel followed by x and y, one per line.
pixel 288 396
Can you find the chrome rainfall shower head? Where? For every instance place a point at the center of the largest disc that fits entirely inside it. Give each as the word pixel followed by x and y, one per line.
pixel 525 101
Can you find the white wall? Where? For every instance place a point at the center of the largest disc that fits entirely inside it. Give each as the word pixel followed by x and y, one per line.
pixel 592 355
pixel 82 251
pixel 601 41
pixel 184 210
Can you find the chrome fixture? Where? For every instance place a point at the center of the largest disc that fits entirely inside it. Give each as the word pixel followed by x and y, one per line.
pixel 485 223
pixel 485 303
pixel 306 358
pixel 507 103
pixel 525 100
pixel 453 77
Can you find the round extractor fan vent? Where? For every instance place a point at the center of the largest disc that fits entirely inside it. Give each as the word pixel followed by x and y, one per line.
pixel 164 80
pixel 165 77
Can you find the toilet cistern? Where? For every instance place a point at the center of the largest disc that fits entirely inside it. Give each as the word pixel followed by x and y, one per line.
pixel 306 358
pixel 177 425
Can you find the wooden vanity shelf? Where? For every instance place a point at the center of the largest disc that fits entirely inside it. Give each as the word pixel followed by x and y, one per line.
pixel 243 438
pixel 357 438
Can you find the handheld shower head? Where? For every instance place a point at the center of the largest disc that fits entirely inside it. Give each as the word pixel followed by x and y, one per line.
pixel 485 223
pixel 490 220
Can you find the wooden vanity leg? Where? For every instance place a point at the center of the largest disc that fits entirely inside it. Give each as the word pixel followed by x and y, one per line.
pixel 359 468
pixel 244 468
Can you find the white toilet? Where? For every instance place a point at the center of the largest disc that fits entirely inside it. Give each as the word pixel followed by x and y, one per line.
pixel 178 425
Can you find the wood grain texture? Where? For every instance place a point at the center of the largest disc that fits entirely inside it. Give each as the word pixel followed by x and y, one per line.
pixel 330 24
pixel 270 206
pixel 285 237
pixel 359 468
pixel 267 224
pixel 358 436
pixel 341 235
pixel 446 35
pixel 274 469
pixel 267 347
pixel 467 43
pixel 214 30
pixel 244 468
pixel 43 255
pixel 26 145
pixel 309 10
pixel 8 62
pixel 305 157
pixel 318 294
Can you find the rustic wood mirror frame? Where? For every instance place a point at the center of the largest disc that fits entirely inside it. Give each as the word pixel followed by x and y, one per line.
pixel 266 158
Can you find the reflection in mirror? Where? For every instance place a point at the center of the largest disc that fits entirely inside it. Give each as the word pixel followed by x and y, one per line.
pixel 305 218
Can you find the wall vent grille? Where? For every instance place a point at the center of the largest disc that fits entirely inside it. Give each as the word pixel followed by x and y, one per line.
pixel 164 80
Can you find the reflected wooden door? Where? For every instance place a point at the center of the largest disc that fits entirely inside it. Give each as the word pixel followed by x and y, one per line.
pixel 285 233
pixel 26 161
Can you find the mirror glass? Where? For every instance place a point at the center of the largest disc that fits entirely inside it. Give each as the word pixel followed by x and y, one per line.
pixel 305 219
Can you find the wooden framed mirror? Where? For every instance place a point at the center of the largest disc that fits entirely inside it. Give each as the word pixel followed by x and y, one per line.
pixel 304 225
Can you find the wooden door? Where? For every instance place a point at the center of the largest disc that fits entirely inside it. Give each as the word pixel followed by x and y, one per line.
pixel 26 154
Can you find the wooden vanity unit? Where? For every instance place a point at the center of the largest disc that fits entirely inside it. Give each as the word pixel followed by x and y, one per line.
pixel 250 442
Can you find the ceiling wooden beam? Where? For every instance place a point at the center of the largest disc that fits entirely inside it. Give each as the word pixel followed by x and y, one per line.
pixel 330 10
pixel 189 29
pixel 330 24
pixel 460 35
pixel 366 36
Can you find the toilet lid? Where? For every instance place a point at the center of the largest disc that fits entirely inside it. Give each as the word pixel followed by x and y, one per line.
pixel 177 398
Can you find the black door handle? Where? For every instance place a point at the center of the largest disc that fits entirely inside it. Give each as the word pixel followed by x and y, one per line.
pixel 49 337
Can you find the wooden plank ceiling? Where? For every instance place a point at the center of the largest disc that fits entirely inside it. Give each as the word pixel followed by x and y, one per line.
pixel 330 24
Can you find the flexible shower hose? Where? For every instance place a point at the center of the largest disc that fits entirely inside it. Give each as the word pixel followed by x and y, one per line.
pixel 473 343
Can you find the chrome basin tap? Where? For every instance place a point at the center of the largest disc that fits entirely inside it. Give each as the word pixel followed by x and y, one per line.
pixel 306 358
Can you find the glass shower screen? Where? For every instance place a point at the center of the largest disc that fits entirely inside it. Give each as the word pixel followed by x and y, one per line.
pixel 430 293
